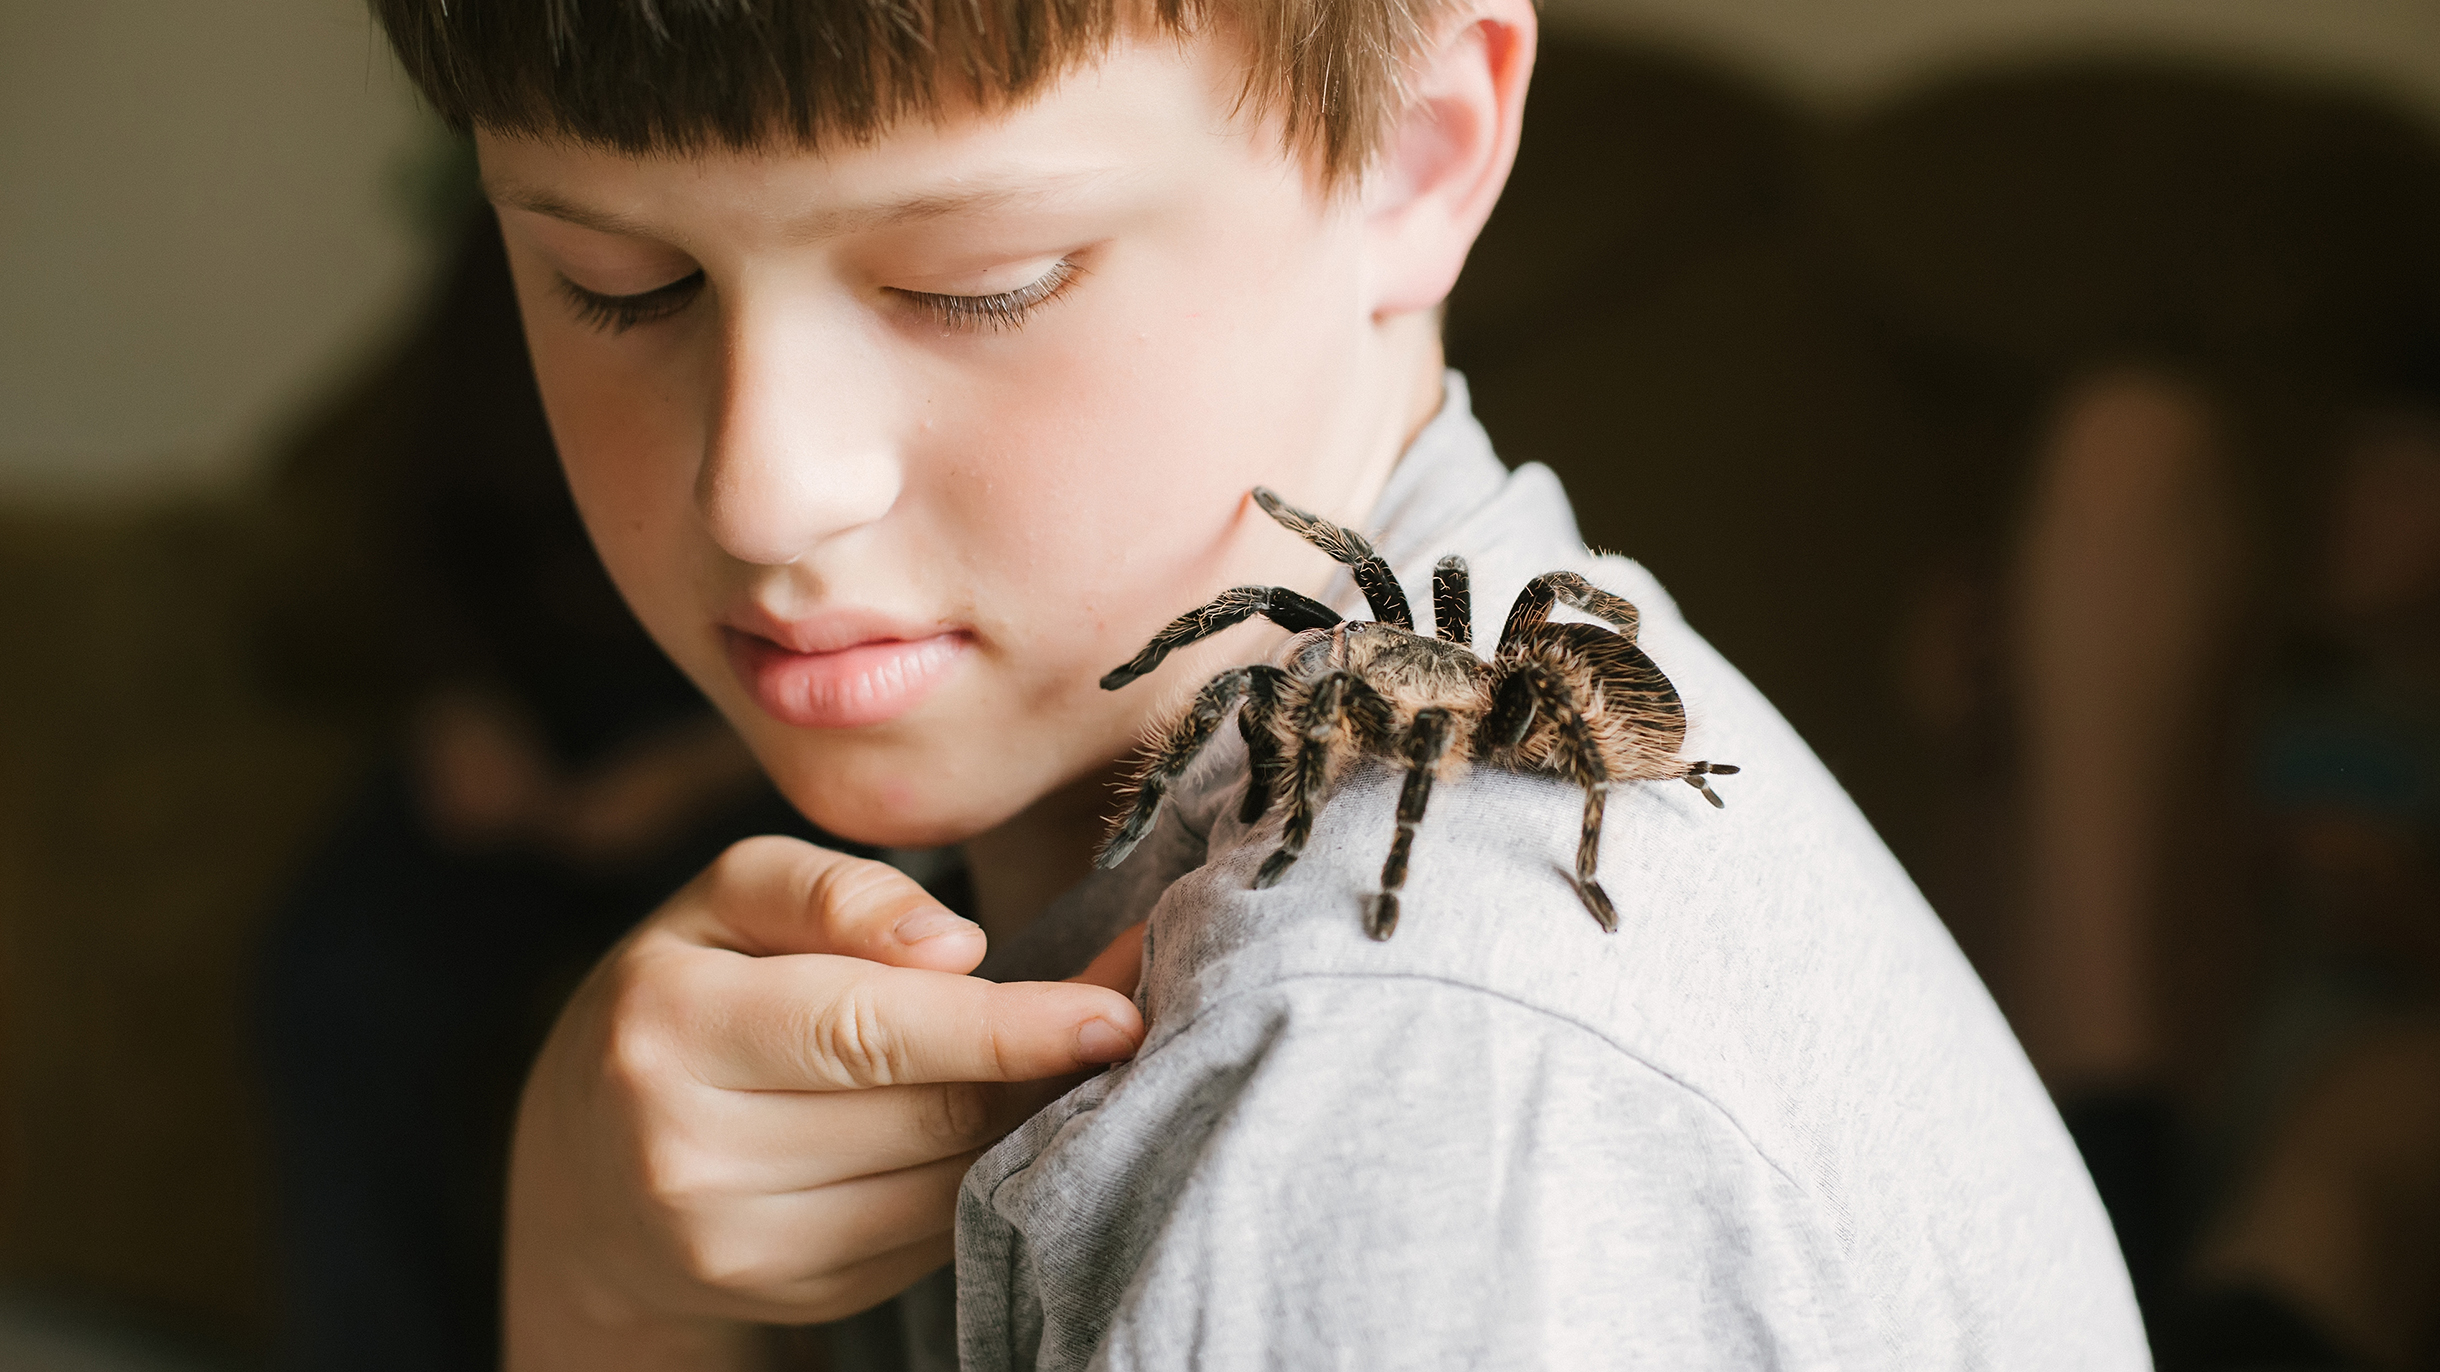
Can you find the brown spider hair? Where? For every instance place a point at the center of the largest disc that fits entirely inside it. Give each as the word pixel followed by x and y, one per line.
pixel 676 76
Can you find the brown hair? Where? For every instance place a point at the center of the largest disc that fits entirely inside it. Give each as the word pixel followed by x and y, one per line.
pixel 678 75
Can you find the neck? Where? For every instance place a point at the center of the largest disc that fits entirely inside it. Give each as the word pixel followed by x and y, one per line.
pixel 1418 361
pixel 1021 866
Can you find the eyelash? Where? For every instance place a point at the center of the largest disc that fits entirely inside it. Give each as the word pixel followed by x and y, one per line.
pixel 616 314
pixel 1002 311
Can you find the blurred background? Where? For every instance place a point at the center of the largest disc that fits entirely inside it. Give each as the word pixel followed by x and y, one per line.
pixel 2039 399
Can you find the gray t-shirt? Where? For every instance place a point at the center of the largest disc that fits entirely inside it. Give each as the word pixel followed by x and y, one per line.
pixel 1773 1121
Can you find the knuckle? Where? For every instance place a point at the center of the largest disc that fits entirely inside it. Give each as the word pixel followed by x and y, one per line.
pixel 835 894
pixel 635 1068
pixel 637 1047
pixel 632 1057
pixel 1007 1063
pixel 823 892
pixel 680 1176
pixel 663 1033
pixel 849 1041
pixel 956 1117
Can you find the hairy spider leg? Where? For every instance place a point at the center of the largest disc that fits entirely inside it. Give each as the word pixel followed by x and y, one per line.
pixel 1371 571
pixel 1336 700
pixel 1533 606
pixel 1264 762
pixel 1427 742
pixel 1696 772
pixel 1453 602
pixel 1286 608
pixel 1509 719
pixel 1173 756
pixel 1536 688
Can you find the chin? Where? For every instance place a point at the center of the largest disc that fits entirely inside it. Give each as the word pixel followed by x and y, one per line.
pixel 887 806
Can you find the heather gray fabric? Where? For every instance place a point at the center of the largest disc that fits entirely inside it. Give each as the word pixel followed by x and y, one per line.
pixel 1774 1121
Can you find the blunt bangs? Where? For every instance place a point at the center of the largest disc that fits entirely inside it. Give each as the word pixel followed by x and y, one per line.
pixel 673 76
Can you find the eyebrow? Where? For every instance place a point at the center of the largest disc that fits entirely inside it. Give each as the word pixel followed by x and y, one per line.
pixel 828 223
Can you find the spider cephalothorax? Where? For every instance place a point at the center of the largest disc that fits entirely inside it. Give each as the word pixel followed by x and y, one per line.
pixel 1577 701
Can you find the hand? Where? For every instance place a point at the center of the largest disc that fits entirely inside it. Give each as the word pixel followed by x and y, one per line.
pixel 757 1110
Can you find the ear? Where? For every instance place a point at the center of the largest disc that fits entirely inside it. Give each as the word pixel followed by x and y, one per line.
pixel 1447 155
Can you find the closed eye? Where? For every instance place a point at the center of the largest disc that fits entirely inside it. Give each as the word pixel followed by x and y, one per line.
pixel 996 312
pixel 618 313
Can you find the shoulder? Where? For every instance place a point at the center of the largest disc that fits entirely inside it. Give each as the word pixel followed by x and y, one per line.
pixel 1403 1166
pixel 1489 903
pixel 1777 998
pixel 1775 1095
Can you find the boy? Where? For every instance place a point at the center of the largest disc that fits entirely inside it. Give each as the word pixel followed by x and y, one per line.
pixel 910 364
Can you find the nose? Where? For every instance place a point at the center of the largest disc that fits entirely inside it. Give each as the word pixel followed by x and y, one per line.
pixel 801 445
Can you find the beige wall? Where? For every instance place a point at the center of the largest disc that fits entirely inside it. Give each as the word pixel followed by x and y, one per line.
pixel 199 218
pixel 199 223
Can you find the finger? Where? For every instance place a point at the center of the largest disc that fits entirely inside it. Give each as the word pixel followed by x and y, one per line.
pixel 774 895
pixel 753 1143
pixel 869 1283
pixel 794 1249
pixel 837 1295
pixel 821 1023
pixel 864 1218
pixel 1120 965
pixel 925 1124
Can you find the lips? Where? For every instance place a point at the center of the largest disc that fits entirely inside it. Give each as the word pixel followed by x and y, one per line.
pixel 871 681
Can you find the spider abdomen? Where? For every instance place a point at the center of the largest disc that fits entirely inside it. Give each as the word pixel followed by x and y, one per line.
pixel 1635 716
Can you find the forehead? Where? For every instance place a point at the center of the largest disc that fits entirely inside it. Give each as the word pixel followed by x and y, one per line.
pixel 1144 113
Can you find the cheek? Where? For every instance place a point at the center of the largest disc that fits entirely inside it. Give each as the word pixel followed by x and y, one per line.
pixel 1118 467
pixel 1256 383
pixel 1104 491
pixel 623 434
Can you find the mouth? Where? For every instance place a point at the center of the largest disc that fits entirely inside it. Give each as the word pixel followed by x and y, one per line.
pixel 870 681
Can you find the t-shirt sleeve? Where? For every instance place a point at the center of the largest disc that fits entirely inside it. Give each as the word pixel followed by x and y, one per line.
pixel 1392 1172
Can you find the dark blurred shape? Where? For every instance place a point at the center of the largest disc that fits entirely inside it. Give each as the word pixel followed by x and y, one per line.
pixel 2265 244
pixel 2054 215
pixel 2054 254
pixel 1639 162
pixel 2125 610
pixel 1650 314
pixel 2331 1207
pixel 40 1335
pixel 2334 1225
pixel 1982 433
pixel 2255 1331
pixel 557 779
pixel 2130 1141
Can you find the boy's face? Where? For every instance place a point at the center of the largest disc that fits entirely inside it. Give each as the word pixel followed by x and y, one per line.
pixel 898 448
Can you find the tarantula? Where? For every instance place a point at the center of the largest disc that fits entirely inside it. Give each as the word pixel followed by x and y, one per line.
pixel 1576 701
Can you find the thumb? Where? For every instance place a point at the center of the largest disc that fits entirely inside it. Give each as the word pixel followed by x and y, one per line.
pixel 772 895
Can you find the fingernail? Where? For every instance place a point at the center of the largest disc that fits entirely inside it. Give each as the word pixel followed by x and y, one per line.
pixel 1098 1040
pixel 928 924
